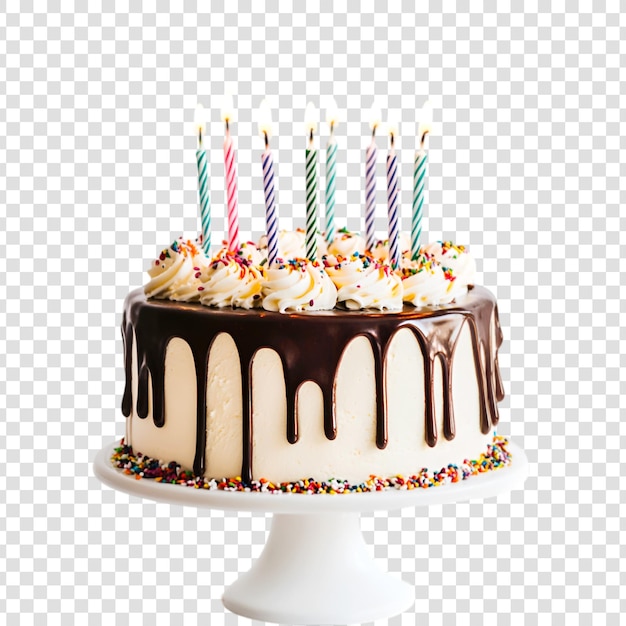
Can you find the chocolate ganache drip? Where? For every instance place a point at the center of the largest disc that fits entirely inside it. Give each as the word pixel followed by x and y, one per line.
pixel 310 346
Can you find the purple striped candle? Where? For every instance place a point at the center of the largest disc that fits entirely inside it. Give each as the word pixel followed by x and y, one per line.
pixel 393 185
pixel 370 182
pixel 267 160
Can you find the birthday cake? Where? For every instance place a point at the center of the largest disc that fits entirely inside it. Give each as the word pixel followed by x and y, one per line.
pixel 310 364
pixel 338 369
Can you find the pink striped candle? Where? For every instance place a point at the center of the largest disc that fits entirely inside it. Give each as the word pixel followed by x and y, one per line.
pixel 231 177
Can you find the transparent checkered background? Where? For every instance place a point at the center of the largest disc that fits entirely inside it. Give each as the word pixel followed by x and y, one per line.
pixel 98 173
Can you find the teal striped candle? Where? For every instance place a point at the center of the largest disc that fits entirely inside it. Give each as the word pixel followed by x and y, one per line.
pixel 203 186
pixel 331 171
pixel 311 202
pixel 419 180
pixel 310 121
pixel 205 200
pixel 332 116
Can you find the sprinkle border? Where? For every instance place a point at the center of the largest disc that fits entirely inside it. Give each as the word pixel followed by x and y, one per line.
pixel 496 457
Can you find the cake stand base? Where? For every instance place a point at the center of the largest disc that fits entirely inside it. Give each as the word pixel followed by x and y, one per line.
pixel 316 569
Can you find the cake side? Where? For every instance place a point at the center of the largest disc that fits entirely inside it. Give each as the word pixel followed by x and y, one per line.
pixel 366 411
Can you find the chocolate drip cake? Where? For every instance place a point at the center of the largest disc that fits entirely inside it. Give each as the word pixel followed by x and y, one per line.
pixel 344 368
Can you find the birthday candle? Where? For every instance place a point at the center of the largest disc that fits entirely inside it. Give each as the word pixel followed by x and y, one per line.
pixel 370 181
pixel 392 199
pixel 331 171
pixel 267 160
pixel 203 187
pixel 310 123
pixel 231 176
pixel 419 180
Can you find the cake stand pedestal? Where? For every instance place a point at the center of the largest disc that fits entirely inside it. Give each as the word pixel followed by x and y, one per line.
pixel 316 567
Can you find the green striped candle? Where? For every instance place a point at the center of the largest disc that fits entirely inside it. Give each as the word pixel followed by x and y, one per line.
pixel 331 171
pixel 203 186
pixel 419 179
pixel 311 185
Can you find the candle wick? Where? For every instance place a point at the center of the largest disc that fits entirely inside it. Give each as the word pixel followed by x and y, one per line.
pixel 332 128
pixel 267 140
pixel 311 136
pixel 227 126
pixel 392 139
pixel 424 138
pixel 200 137
pixel 373 132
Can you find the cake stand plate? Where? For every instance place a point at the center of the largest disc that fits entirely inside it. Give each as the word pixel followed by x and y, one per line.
pixel 316 567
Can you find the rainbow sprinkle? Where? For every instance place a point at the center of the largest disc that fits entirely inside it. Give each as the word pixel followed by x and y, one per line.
pixel 496 457
pixel 449 245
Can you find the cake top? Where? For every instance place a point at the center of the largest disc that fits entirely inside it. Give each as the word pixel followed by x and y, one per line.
pixel 345 276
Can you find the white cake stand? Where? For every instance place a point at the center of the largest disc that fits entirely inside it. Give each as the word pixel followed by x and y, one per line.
pixel 316 567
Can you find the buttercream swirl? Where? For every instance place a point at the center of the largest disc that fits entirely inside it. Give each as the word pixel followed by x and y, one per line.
pixel 457 263
pixel 424 282
pixel 176 274
pixel 364 283
pixel 298 285
pixel 250 252
pixel 442 272
pixel 346 243
pixel 231 281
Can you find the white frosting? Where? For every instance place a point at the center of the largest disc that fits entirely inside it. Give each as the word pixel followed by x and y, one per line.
pixel 456 259
pixel 346 244
pixel 251 253
pixel 298 286
pixel 231 281
pixel 177 273
pixel 363 283
pixel 442 273
pixel 424 282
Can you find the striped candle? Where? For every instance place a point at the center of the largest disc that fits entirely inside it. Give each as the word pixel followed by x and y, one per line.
pixel 419 180
pixel 392 203
pixel 370 181
pixel 267 161
pixel 370 194
pixel 231 192
pixel 311 185
pixel 231 177
pixel 271 219
pixel 203 187
pixel 205 200
pixel 311 203
pixel 331 171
